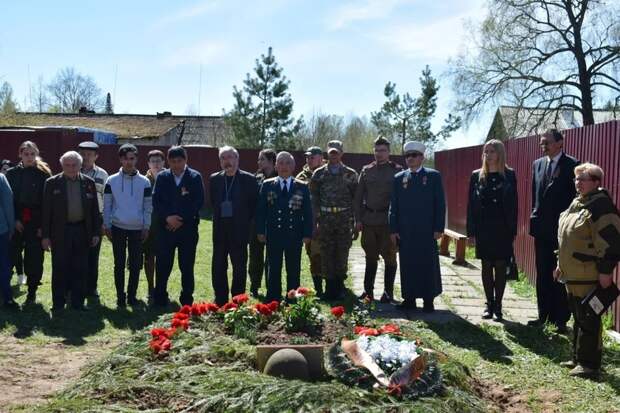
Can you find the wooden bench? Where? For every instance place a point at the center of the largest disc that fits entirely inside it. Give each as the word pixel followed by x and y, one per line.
pixel 461 246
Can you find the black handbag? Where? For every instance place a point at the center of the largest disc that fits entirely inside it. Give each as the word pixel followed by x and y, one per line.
pixel 512 271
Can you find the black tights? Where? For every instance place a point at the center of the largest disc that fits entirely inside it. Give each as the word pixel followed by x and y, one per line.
pixel 494 286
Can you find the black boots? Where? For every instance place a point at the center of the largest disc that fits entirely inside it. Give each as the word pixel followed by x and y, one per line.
pixel 390 276
pixel 488 310
pixel 317 280
pixel 369 279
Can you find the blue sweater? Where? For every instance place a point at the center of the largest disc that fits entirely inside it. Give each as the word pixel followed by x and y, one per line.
pixel 7 213
pixel 184 199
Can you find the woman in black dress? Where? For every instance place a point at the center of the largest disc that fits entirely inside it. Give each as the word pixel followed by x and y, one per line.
pixel 492 221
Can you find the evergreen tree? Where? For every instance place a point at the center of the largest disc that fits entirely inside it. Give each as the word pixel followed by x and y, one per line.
pixel 108 104
pixel 262 113
pixel 409 118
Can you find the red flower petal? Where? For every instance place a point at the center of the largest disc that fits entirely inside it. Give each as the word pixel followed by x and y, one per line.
pixel 337 311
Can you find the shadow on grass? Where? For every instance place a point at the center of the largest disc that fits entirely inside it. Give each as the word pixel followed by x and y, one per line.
pixel 554 347
pixel 463 334
pixel 74 326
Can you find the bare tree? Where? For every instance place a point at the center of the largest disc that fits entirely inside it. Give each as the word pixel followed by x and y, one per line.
pixel 7 102
pixel 72 91
pixel 549 55
pixel 39 98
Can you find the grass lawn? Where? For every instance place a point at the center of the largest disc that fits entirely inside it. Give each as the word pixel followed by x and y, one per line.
pixel 491 367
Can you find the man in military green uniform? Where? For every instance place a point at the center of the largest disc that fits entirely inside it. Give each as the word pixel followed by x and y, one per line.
pixel 283 221
pixel 256 258
pixel 371 205
pixel 332 188
pixel 314 159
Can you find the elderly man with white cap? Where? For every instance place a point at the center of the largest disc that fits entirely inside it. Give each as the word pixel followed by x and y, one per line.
pixel 417 220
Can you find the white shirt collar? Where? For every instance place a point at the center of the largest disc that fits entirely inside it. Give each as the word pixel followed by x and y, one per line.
pixel 417 170
pixel 556 158
pixel 286 182
pixel 177 179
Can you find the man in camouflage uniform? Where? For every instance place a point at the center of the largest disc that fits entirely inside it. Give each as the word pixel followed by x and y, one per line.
pixel 314 159
pixel 332 188
pixel 371 204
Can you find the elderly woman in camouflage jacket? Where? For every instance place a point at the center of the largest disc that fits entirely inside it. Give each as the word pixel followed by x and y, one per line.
pixel 589 249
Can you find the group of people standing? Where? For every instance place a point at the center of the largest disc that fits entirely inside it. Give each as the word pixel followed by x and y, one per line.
pixel 274 214
pixel 576 231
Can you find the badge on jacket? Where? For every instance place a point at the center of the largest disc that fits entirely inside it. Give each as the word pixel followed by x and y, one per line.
pixel 184 191
pixel 424 179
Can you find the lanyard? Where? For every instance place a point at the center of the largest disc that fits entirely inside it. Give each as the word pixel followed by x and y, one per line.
pixel 231 185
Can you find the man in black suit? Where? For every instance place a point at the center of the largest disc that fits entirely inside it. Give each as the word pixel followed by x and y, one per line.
pixel 552 192
pixel 233 194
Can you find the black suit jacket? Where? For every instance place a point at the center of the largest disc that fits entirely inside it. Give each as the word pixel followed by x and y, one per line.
pixel 55 208
pixel 550 201
pixel 509 203
pixel 243 194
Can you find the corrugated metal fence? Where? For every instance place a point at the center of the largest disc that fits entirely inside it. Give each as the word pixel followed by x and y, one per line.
pixel 599 144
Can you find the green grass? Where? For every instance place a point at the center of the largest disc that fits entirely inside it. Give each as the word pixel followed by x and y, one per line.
pixel 216 374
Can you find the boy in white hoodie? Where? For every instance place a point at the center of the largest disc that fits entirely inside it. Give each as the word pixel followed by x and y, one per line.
pixel 127 208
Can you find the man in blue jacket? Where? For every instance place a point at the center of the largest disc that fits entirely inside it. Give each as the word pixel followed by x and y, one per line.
pixel 177 198
pixel 7 226
pixel 283 221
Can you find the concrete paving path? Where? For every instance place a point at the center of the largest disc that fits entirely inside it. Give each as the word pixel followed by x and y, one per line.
pixel 462 297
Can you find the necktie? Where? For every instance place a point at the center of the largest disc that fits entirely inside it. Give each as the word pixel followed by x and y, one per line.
pixel 284 188
pixel 548 172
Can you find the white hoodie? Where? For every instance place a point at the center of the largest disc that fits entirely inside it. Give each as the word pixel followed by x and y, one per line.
pixel 127 201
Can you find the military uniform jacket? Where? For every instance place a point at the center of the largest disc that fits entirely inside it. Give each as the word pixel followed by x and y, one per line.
pixel 374 189
pixel 589 240
pixel 333 190
pixel 55 207
pixel 284 218
pixel 305 175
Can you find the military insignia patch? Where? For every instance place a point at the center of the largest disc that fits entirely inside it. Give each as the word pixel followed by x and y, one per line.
pixel 271 197
pixel 405 181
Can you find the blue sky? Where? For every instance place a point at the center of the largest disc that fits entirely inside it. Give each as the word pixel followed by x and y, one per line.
pixel 338 55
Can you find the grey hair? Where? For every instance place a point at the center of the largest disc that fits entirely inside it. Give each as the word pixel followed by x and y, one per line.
pixel 284 154
pixel 225 149
pixel 71 155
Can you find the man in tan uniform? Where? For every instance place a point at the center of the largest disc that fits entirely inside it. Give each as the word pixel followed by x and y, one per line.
pixel 371 204
pixel 314 159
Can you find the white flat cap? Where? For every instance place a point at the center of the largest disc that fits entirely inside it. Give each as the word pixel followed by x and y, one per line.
pixel 414 146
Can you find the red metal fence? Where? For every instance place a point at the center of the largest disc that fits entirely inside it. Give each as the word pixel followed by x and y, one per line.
pixel 54 142
pixel 599 144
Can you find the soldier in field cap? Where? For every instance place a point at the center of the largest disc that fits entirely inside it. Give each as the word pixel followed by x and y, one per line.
pixel 314 159
pixel 372 202
pixel 332 188
pixel 417 219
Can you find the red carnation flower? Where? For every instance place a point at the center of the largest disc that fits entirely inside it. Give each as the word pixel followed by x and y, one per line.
pixel 229 306
pixel 263 309
pixel 395 390
pixel 197 309
pixel 337 311
pixel 290 295
pixel 180 316
pixel 274 305
pixel 178 323
pixel 158 332
pixel 390 329
pixel 186 309
pixel 303 291
pixel 211 307
pixel 26 215
pixel 240 299
pixel 366 331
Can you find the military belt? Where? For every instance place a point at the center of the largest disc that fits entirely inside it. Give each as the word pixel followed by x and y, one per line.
pixel 333 210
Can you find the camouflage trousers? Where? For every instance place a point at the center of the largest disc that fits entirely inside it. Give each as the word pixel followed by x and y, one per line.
pixel 313 249
pixel 335 232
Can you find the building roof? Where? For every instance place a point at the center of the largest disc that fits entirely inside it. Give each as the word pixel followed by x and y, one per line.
pixel 125 126
pixel 514 122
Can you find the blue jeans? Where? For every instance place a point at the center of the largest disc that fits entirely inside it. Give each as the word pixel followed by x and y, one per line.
pixel 5 268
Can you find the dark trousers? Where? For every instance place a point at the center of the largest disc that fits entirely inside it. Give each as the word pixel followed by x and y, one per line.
pixel 17 257
pixel 257 264
pixel 185 240
pixel 228 245
pixel 292 256
pixel 124 241
pixel 93 270
pixel 5 268
pixel 587 335
pixel 550 295
pixel 30 243
pixel 70 266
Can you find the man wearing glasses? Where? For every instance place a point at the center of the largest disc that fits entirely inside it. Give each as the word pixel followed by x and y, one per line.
pixel 552 192
pixel 417 220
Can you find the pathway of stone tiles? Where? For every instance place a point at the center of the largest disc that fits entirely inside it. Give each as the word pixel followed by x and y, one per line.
pixel 462 296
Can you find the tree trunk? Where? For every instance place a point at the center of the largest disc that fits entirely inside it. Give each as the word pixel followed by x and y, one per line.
pixel 585 87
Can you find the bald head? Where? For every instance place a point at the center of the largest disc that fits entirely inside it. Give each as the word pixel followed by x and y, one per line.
pixel 285 164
